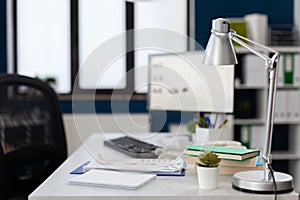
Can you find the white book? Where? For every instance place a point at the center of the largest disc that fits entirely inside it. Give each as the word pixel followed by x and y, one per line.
pixel 254 72
pixel 280 78
pixel 112 179
pixel 293 105
pixel 257 137
pixel 280 114
pixel 297 70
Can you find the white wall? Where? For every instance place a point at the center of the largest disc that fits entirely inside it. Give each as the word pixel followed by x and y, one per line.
pixel 79 126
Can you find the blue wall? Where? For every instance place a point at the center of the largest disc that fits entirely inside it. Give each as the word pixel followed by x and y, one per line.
pixel 105 106
pixel 278 11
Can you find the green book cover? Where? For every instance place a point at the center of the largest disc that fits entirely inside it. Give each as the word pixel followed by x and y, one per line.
pixel 240 26
pixel 227 153
pixel 223 150
pixel 288 67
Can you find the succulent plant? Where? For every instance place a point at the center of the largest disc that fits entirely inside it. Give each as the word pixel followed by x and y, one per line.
pixel 209 159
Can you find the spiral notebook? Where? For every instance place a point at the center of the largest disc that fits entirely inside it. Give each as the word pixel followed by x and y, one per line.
pixel 156 166
pixel 113 179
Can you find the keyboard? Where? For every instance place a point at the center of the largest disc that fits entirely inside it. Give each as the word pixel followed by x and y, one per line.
pixel 132 147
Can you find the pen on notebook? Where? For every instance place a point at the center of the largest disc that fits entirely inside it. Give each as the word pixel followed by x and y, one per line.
pixel 208 122
pixel 224 123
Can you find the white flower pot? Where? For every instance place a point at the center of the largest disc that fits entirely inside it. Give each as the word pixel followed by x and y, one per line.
pixel 208 177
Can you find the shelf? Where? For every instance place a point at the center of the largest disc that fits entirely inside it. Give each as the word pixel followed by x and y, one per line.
pixel 249 121
pixel 245 87
pixel 284 87
pixel 287 122
pixel 288 87
pixel 281 49
pixel 262 122
pixel 284 155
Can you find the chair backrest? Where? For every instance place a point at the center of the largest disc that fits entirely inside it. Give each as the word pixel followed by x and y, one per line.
pixel 32 134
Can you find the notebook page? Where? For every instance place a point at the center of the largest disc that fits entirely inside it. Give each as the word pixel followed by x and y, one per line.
pixel 114 179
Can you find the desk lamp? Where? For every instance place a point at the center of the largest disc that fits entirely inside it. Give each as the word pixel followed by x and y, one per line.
pixel 220 51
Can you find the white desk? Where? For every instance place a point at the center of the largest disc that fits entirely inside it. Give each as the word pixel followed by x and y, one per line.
pixel 166 188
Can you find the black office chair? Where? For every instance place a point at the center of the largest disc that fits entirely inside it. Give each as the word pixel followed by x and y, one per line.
pixel 32 135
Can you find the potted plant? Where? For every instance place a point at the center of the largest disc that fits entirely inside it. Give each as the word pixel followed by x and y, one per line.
pixel 51 80
pixel 208 168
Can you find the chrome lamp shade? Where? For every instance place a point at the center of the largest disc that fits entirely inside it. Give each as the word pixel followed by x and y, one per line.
pixel 220 51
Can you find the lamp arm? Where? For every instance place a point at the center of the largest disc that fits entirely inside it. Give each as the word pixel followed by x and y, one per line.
pixel 232 32
pixel 235 37
pixel 271 65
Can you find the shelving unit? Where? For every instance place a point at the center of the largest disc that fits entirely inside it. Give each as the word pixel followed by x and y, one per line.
pixel 286 134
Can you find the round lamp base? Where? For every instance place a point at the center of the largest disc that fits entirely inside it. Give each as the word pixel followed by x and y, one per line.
pixel 253 182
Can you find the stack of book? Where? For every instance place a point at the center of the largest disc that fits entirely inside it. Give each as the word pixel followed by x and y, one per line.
pixel 234 159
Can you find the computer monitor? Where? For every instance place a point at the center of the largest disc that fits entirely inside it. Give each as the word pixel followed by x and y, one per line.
pixel 180 82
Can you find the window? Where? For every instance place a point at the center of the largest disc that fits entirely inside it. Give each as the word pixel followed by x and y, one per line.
pixel 102 44
pixel 158 15
pixel 43 40
pixel 86 40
